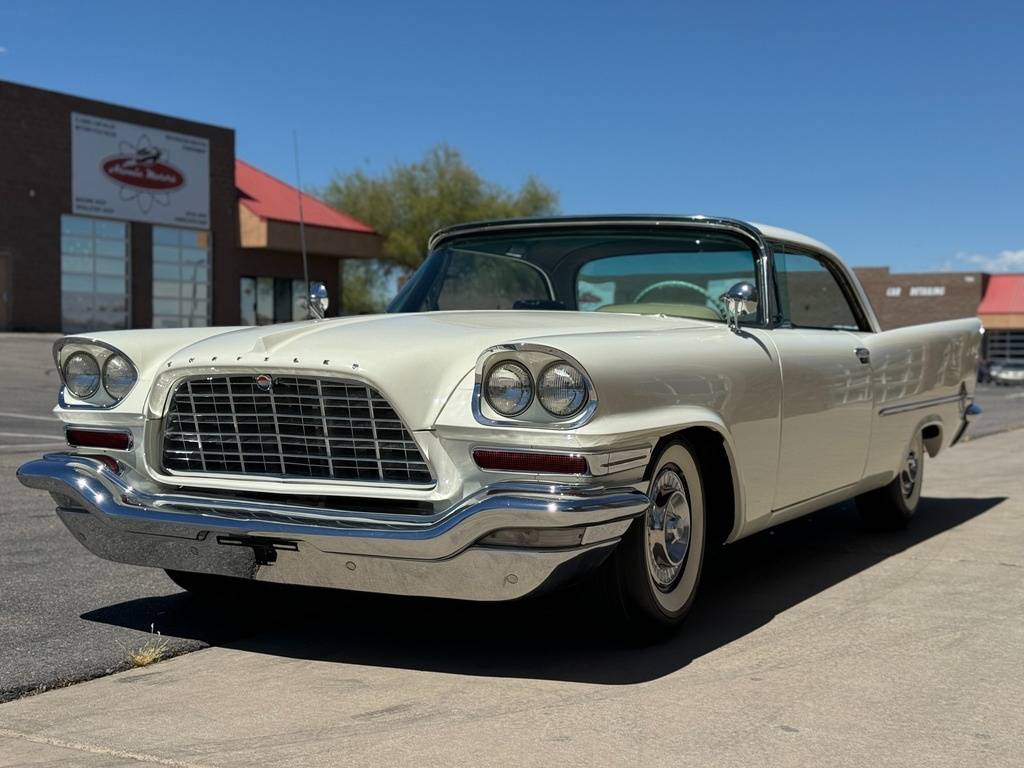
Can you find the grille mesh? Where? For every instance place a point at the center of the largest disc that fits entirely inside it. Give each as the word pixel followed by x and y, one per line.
pixel 302 427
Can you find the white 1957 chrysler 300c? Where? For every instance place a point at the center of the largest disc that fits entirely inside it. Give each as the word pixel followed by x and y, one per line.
pixel 546 401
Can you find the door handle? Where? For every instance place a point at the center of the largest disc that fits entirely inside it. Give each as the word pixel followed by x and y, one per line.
pixel 863 354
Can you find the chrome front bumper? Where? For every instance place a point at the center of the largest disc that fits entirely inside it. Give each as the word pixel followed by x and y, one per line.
pixel 437 555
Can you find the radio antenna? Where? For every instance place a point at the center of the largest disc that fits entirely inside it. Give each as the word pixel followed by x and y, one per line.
pixel 302 227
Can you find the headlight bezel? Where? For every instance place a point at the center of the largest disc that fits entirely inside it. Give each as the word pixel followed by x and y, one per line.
pixel 101 352
pixel 536 359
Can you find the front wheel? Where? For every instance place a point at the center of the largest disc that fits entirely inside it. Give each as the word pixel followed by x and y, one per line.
pixel 650 581
pixel 892 506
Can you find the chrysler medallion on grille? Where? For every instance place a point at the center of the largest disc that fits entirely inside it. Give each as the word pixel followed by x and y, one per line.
pixel 289 427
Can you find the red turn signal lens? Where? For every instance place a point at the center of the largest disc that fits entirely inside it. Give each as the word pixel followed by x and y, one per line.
pixel 530 461
pixel 114 440
pixel 111 463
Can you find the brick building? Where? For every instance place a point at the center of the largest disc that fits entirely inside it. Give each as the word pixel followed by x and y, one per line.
pixel 112 217
pixel 901 299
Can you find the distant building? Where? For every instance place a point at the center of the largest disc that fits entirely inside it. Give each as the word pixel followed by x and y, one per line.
pixel 1002 312
pixel 901 299
pixel 111 217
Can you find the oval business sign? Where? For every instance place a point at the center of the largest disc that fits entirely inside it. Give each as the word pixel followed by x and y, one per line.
pixel 151 175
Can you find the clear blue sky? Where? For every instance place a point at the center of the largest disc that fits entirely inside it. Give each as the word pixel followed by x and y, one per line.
pixel 892 131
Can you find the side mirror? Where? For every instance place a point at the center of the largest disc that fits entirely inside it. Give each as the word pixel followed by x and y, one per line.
pixel 739 301
pixel 318 301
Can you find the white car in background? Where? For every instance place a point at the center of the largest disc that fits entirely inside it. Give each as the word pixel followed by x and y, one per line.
pixel 547 401
pixel 1006 373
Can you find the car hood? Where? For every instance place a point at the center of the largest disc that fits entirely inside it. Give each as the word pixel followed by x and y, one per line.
pixel 416 360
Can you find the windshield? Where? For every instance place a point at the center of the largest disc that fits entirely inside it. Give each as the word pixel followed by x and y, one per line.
pixel 613 270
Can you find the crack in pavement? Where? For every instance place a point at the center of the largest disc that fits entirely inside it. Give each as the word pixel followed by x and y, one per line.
pixel 95 749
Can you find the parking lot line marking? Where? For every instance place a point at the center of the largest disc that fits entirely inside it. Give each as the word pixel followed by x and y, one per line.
pixel 28 416
pixel 19 447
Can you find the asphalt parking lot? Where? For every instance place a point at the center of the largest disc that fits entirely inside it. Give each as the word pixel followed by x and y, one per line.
pixel 49 584
pixel 816 642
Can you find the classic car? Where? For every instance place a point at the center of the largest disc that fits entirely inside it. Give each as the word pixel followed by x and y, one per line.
pixel 551 401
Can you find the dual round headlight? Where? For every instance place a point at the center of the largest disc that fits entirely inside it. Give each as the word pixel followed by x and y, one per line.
pixel 561 389
pixel 83 377
pixel 509 388
pixel 118 376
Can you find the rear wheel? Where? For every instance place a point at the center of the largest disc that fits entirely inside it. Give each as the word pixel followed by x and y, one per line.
pixel 650 581
pixel 893 505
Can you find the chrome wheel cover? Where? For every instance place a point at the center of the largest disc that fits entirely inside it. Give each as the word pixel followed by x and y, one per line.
pixel 668 529
pixel 909 473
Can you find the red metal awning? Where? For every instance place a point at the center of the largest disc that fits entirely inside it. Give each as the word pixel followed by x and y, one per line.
pixel 272 199
pixel 1003 296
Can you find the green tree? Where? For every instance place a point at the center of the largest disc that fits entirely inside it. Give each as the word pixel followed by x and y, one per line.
pixel 407 203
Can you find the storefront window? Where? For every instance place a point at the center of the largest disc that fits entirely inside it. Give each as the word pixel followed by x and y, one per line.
pixel 181 277
pixel 93 274
pixel 267 300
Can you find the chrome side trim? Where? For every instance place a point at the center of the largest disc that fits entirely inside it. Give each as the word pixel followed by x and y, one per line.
pixel 814 503
pixel 620 460
pixel 905 407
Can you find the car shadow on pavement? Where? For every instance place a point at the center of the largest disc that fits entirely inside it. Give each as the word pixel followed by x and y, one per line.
pixel 556 636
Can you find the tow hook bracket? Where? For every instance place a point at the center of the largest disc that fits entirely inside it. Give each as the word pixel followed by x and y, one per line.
pixel 264 549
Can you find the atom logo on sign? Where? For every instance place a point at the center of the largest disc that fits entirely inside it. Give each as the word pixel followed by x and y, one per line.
pixel 144 173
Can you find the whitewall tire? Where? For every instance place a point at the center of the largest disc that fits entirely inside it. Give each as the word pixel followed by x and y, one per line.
pixel 651 580
pixel 893 505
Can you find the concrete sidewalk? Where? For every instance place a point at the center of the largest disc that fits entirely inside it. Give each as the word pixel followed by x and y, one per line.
pixel 815 644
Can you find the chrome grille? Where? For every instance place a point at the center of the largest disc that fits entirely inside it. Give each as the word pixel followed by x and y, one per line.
pixel 298 427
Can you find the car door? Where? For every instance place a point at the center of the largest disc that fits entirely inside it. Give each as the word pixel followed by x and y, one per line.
pixel 826 383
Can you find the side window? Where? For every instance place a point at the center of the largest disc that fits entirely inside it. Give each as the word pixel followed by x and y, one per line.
pixel 809 294
pixel 482 281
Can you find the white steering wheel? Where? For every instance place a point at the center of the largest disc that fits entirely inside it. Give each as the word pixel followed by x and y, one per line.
pixel 712 302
